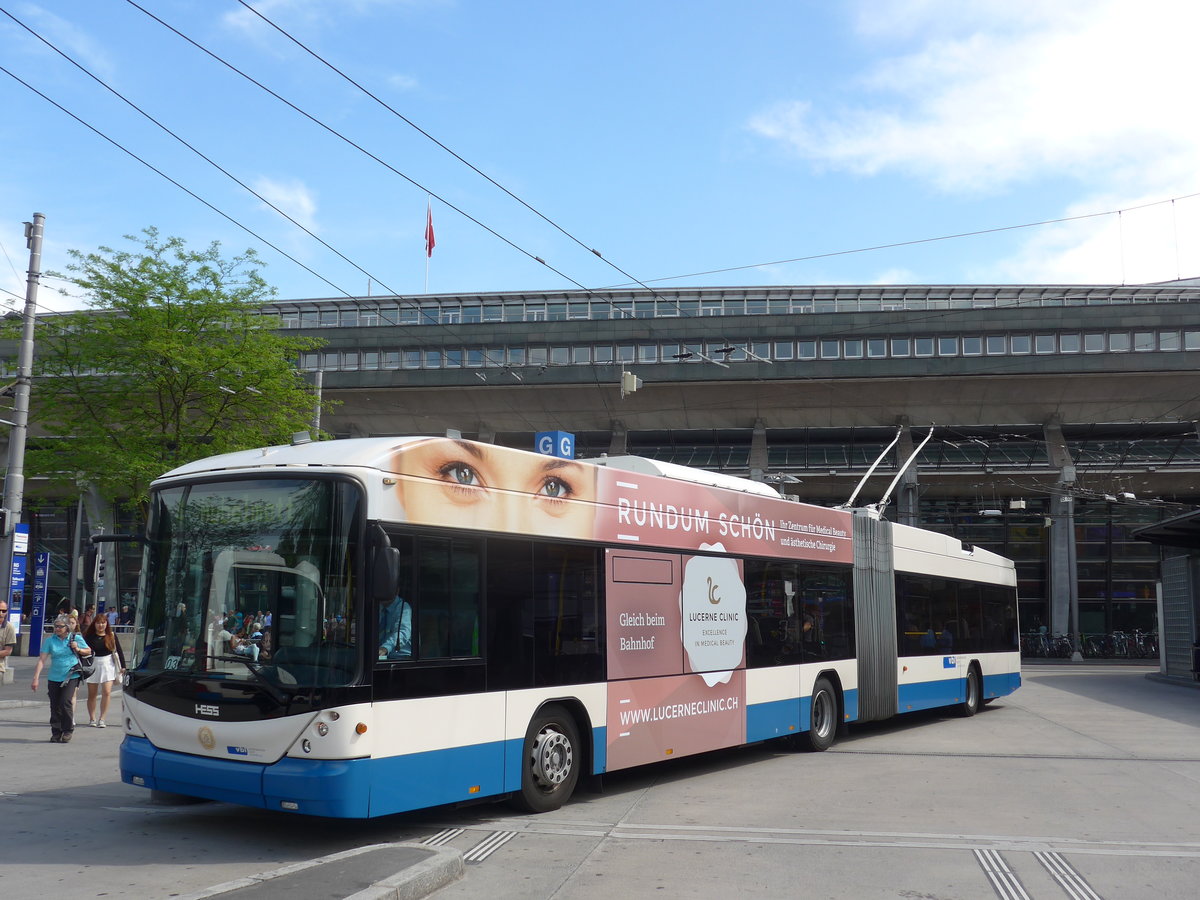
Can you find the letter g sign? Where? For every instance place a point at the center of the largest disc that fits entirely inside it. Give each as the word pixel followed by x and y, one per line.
pixel 555 443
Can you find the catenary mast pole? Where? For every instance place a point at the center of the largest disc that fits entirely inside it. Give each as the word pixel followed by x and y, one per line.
pixel 14 480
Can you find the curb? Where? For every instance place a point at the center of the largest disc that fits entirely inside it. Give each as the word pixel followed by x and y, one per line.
pixel 418 880
pixel 22 704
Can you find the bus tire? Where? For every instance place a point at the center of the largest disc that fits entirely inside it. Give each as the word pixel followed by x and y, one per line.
pixel 973 699
pixel 550 762
pixel 822 718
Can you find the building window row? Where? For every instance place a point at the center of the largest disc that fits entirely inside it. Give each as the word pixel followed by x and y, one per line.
pixel 467 311
pixel 703 352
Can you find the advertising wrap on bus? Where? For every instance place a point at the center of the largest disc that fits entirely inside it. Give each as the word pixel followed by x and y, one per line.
pixel 450 482
pixel 677 622
pixel 690 625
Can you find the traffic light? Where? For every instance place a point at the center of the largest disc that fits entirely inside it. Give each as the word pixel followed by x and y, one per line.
pixel 88 566
pixel 99 569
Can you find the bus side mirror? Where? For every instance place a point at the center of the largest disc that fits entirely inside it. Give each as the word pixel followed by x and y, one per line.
pixel 385 567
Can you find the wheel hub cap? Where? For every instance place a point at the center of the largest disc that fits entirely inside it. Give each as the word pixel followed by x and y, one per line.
pixel 553 758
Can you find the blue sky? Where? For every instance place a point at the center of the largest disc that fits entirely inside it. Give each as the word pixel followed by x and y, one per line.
pixel 702 139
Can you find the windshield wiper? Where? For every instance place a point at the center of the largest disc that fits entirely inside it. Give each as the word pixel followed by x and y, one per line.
pixel 256 670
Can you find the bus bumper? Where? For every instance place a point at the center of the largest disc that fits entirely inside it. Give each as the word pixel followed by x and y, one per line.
pixel 315 787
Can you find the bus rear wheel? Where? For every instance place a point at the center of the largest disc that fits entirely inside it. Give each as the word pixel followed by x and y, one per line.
pixel 973 699
pixel 822 718
pixel 550 763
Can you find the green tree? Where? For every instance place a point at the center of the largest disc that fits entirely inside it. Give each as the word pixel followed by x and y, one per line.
pixel 173 362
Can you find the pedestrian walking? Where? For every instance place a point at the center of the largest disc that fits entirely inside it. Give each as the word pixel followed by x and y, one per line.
pixel 110 667
pixel 58 658
pixel 8 638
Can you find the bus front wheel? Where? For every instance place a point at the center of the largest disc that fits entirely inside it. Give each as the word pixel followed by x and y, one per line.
pixel 550 763
pixel 822 718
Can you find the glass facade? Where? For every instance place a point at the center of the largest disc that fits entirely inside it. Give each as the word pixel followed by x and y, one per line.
pixel 735 351
pixel 597 306
pixel 1117 574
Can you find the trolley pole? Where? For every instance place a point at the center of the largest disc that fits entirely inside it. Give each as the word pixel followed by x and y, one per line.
pixel 14 480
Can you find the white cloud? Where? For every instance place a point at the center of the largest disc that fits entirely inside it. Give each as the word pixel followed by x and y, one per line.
pixel 68 37
pixel 304 11
pixel 1154 243
pixel 402 82
pixel 895 276
pixel 1071 95
pixel 996 95
pixel 293 197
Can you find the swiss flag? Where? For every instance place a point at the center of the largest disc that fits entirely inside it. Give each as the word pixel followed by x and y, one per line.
pixel 430 243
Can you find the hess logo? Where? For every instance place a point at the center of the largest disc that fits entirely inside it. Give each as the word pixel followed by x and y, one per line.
pixel 204 709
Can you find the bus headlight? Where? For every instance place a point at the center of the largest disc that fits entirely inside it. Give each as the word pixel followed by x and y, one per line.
pixel 322 729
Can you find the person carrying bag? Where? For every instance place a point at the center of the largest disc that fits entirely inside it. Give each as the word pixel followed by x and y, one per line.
pixel 109 666
pixel 62 655
pixel 85 666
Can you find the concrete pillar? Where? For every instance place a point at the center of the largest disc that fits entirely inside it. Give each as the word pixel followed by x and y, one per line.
pixel 758 451
pixel 1063 575
pixel 618 444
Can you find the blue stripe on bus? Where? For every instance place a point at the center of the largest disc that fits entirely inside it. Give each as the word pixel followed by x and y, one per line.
pixel 599 750
pixel 435 777
pixel 340 788
pixel 929 694
pixel 373 787
pixel 952 691
pixel 850 704
pixel 774 719
pixel 1000 685
pixel 782 717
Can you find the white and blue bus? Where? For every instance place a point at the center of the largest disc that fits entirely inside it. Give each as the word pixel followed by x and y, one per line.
pixel 360 627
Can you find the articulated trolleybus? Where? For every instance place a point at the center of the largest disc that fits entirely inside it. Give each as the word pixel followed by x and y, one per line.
pixel 360 627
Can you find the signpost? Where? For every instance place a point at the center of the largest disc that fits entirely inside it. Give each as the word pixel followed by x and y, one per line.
pixel 37 614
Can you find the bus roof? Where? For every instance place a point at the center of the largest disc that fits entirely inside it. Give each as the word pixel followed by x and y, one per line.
pixel 371 453
pixel 375 453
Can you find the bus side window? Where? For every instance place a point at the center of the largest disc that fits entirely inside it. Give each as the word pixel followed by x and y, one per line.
pixel 567 646
pixel 446 619
pixel 395 619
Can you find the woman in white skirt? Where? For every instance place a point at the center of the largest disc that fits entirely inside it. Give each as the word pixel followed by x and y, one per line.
pixel 110 665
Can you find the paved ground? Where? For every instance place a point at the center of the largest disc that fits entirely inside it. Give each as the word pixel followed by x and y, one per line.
pixel 1085 784
pixel 71 829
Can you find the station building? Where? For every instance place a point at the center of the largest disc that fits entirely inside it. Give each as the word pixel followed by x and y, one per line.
pixel 1044 422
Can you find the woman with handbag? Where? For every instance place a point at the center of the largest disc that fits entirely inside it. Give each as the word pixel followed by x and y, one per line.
pixel 61 654
pixel 110 666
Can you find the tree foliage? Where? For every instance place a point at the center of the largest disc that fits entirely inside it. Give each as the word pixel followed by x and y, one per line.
pixel 171 363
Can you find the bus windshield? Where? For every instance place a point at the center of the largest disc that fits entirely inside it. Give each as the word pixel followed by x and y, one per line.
pixel 252 580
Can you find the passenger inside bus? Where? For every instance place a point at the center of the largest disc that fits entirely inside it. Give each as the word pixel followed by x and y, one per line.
pixel 244 645
pixel 395 630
